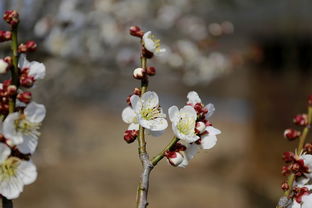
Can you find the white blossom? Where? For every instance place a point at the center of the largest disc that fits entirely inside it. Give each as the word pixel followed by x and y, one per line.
pixel 36 70
pixel 14 173
pixel 3 66
pixel 148 112
pixel 22 129
pixel 152 44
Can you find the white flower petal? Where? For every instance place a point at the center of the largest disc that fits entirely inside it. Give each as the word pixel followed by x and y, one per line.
pixel 5 151
pixel 11 187
pixel 150 100
pixel 211 109
pixel 128 115
pixel 37 70
pixel 191 150
pixel 208 141
pixel 27 171
pixel 136 103
pixel 173 113
pixel 23 62
pixel 134 126
pixel 188 111
pixel 212 131
pixel 29 144
pixel 35 112
pixel 148 42
pixel 157 124
pixel 307 201
pixel 9 129
pixel 154 133
pixel 193 98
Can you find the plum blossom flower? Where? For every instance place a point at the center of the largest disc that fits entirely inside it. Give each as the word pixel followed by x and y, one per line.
pixel 129 116
pixel 14 173
pixel 34 69
pixel 148 112
pixel 152 44
pixel 22 129
pixel 181 155
pixel 183 123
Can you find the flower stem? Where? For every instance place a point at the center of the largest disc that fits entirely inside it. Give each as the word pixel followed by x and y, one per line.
pixel 301 143
pixel 14 69
pixel 6 203
pixel 161 155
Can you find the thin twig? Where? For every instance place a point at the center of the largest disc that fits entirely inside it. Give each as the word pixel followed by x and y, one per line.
pixel 6 203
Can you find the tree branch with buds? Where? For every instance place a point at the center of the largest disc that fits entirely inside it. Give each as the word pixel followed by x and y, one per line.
pixel 191 127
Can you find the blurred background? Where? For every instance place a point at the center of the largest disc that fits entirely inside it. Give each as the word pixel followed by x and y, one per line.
pixel 251 58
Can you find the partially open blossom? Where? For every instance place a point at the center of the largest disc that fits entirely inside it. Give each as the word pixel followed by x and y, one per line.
pixel 138 73
pixel 15 173
pixel 152 44
pixel 148 111
pixel 3 66
pixel 32 69
pixel 22 129
pixel 24 97
pixel 291 134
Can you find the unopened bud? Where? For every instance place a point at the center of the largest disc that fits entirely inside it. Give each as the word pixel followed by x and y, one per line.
pixel 174 158
pixel 130 135
pixel 198 107
pixel 24 97
pixel 136 31
pixel 31 45
pixel 288 157
pixel 310 100
pixel 137 91
pixel 291 134
pixel 11 17
pixel 27 81
pixel 301 119
pixel 138 73
pixel 22 48
pixel 200 127
pixel 151 71
pixel 8 59
pixel 285 186
pixel 11 90
pixel 308 148
pixel 3 66
pixel 5 35
pixel 285 170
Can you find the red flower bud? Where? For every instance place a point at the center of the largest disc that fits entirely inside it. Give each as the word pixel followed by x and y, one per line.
pixel 308 148
pixel 291 134
pixel 22 48
pixel 285 170
pixel 26 81
pixel 136 31
pixel 151 70
pixel 147 54
pixel 130 135
pixel 8 59
pixel 288 157
pixel 5 35
pixel 11 90
pixel 139 73
pixel 137 91
pixel 301 120
pixel 11 17
pixel 285 186
pixel 24 97
pixel 31 45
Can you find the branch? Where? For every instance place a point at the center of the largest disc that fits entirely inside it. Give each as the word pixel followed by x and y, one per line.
pixel 161 155
pixel 6 203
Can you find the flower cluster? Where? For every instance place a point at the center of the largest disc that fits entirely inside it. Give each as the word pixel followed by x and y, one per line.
pixel 190 124
pixel 20 116
pixel 299 164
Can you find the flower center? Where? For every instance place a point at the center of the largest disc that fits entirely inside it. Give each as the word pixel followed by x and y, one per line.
pixel 186 125
pixel 156 42
pixel 8 168
pixel 26 127
pixel 150 113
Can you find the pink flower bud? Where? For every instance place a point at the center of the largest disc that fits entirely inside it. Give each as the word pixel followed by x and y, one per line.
pixel 151 71
pixel 288 157
pixel 285 186
pixel 3 66
pixel 130 135
pixel 174 158
pixel 11 17
pixel 31 45
pixel 11 90
pixel 138 73
pixel 24 97
pixel 136 31
pixel 8 59
pixel 301 120
pixel 310 100
pixel 200 127
pixel 285 170
pixel 291 134
pixel 5 35
pixel 26 81
pixel 308 148
pixel 22 48
pixel 137 91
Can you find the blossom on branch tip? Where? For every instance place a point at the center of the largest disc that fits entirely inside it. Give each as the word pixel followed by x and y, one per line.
pixel 22 129
pixel 14 173
pixel 152 44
